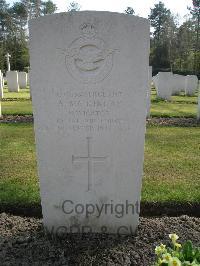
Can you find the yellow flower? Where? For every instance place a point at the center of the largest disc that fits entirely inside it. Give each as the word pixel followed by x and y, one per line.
pixel 177 245
pixel 162 261
pixel 174 262
pixel 160 249
pixel 173 237
pixel 167 257
pixel 162 246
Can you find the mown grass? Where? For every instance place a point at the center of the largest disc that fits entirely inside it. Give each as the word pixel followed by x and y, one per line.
pixel 170 109
pixel 171 166
pixel 17 108
pixel 18 176
pixel 179 106
pixel 22 94
pixel 177 98
pixel 17 103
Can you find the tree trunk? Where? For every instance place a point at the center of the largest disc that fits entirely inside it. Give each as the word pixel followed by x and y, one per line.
pixel 37 7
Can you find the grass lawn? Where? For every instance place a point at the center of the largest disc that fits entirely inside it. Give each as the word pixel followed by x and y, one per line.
pixel 178 98
pixel 178 109
pixel 22 94
pixel 172 164
pixel 171 167
pixel 18 178
pixel 179 106
pixel 18 103
pixel 17 108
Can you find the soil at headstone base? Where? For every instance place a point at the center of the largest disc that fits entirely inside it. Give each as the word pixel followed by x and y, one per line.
pixel 173 121
pixel 16 118
pixel 160 121
pixel 23 242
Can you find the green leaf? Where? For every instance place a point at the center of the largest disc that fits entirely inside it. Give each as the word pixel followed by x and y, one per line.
pixel 188 251
pixel 197 254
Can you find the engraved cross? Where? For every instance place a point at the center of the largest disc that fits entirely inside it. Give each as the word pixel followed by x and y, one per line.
pixel 89 159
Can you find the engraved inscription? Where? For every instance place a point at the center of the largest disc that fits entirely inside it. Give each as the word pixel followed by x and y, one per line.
pixel 90 111
pixel 88 59
pixel 89 159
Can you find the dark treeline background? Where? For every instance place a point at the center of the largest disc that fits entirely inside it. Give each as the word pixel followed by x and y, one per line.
pixel 175 46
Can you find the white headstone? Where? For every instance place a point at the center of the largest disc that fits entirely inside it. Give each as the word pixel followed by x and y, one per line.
pixel 191 85
pixel 3 80
pixel 12 81
pixel 198 107
pixel 22 76
pixel 155 81
pixel 163 83
pixel 149 91
pixel 28 82
pixel 1 85
pixel 178 84
pixel 1 89
pixel 89 101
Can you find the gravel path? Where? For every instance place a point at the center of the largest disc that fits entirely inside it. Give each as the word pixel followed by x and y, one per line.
pixel 22 242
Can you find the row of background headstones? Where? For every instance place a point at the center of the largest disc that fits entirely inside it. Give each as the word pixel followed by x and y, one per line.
pixel 15 81
pixel 168 84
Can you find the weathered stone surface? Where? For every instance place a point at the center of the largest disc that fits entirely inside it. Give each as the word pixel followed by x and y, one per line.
pixel 1 85
pixel 163 84
pixel 198 107
pixel 1 89
pixel 22 76
pixel 89 103
pixel 178 84
pixel 155 81
pixel 12 81
pixel 28 82
pixel 191 85
pixel 149 92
